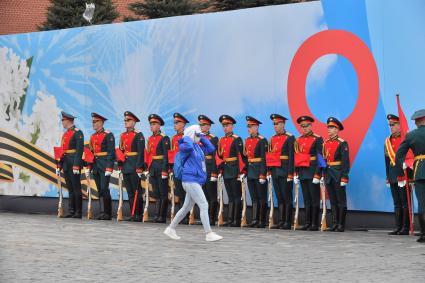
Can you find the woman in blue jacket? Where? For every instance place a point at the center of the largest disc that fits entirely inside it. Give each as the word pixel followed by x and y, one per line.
pixel 193 147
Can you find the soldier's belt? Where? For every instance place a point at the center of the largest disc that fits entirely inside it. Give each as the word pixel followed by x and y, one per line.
pixel 334 163
pixel 102 153
pixel 313 157
pixel 131 153
pixel 284 157
pixel 255 160
pixel 420 157
pixel 158 157
pixel 208 157
pixel 229 159
pixel 69 151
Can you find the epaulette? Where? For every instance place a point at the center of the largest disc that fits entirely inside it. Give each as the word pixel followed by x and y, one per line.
pixel 341 140
pixel 288 134
pixel 211 135
pixel 106 131
pixel 162 134
pixel 260 137
pixel 316 135
pixel 76 129
pixel 235 136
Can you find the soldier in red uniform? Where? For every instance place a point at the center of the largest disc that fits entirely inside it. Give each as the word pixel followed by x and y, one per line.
pixel 157 148
pixel 210 187
pixel 308 172
pixel 255 150
pixel 179 123
pixel 399 195
pixel 282 143
pixel 132 144
pixel 336 154
pixel 71 163
pixel 230 150
pixel 102 144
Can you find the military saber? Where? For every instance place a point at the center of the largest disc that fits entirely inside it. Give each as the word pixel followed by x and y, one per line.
pixel 120 201
pixel 243 218
pixel 220 220
pixel 60 205
pixel 271 219
pixel 172 186
pixel 409 205
pixel 145 211
pixel 297 206
pixel 89 206
pixel 323 224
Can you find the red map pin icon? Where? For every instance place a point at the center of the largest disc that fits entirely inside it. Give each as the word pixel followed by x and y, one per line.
pixel 350 46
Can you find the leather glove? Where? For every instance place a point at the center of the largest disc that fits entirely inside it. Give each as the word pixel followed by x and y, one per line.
pixel 58 171
pixel 343 184
pixel 241 177
pixel 316 181
pixel 108 173
pixel 322 181
pixel 296 180
pixel 262 181
pixel 213 179
pixel 402 184
pixel 76 172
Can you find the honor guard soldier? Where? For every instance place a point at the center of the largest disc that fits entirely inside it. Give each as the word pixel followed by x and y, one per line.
pixel 336 154
pixel 230 150
pixel 179 123
pixel 210 186
pixel 132 144
pixel 254 151
pixel 157 148
pixel 415 140
pixel 282 144
pixel 71 163
pixel 102 145
pixel 308 172
pixel 401 211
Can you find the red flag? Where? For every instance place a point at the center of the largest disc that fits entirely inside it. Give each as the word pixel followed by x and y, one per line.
pixel 404 128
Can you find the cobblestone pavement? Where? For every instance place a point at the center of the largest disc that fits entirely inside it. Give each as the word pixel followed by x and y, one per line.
pixel 42 248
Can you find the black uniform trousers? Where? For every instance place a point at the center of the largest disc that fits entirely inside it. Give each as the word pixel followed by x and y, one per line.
pixel 233 189
pixel 337 194
pixel 132 184
pixel 283 190
pixel 257 191
pixel 311 193
pixel 73 183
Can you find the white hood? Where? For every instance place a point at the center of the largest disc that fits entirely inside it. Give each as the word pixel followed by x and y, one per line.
pixel 192 131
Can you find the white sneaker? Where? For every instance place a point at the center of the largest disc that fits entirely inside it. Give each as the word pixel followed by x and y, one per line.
pixel 170 232
pixel 212 237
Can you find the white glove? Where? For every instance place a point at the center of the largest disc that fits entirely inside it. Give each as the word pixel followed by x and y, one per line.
pixel 388 185
pixel 343 184
pixel 213 179
pixel 58 171
pixel 289 180
pixel 402 184
pixel 404 166
pixel 170 174
pixel 108 173
pixel 140 175
pixel 76 172
pixel 146 173
pixel 296 180
pixel 322 181
pixel 262 181
pixel 269 178
pixel 164 177
pixel 316 181
pixel 220 176
pixel 241 177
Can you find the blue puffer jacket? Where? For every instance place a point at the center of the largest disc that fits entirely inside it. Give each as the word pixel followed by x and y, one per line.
pixel 193 156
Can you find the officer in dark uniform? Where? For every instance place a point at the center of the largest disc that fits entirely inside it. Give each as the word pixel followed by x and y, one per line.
pixel 132 144
pixel 308 172
pixel 415 140
pixel 71 164
pixel 401 211
pixel 157 148
pixel 179 123
pixel 102 144
pixel 254 151
pixel 283 143
pixel 210 186
pixel 336 154
pixel 230 150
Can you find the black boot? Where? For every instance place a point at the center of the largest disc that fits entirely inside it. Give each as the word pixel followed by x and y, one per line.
pixel 107 204
pixel 334 219
pixel 281 209
pixel 288 218
pixel 307 224
pixel 163 211
pixel 262 216
pixel 157 211
pixel 398 214
pixel 230 214
pixel 138 211
pixel 101 208
pixel 406 222
pixel 71 206
pixel 213 212
pixel 237 215
pixel 78 207
pixel 341 223
pixel 315 219
pixel 421 218
pixel 254 216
